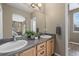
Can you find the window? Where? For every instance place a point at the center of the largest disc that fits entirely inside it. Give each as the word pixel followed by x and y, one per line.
pixel 73 6
pixel 18 18
pixel 18 24
pixel 76 22
pixel 33 24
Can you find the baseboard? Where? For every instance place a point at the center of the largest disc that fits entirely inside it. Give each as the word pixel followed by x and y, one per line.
pixel 74 43
pixel 57 54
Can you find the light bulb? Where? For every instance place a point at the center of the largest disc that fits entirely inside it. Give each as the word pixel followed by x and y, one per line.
pixel 33 5
pixel 39 4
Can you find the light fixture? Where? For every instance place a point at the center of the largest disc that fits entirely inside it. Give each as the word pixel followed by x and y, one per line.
pixel 36 5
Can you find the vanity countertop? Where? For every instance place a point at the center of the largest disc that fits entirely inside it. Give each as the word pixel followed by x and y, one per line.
pixel 30 44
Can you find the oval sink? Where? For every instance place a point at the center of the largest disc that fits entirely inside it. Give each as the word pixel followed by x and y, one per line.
pixel 45 36
pixel 12 46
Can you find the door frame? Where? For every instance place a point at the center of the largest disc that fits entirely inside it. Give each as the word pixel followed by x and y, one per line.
pixel 66 29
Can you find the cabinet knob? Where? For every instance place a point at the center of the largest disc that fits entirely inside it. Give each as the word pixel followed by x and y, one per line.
pixel 42 46
pixel 42 52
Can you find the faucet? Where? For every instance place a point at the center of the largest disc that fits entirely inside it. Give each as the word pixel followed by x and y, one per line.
pixel 14 34
pixel 17 37
pixel 14 37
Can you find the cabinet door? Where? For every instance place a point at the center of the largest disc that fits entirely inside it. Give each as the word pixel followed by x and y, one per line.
pixel 29 52
pixel 50 47
pixel 53 46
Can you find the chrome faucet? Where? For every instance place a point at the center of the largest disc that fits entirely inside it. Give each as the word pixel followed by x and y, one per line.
pixel 14 34
pixel 14 37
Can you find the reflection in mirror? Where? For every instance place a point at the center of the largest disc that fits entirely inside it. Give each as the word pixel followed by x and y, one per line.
pixel 18 24
pixel 33 24
pixel 28 21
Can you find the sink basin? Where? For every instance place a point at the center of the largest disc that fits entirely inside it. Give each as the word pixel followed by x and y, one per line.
pixel 46 36
pixel 12 46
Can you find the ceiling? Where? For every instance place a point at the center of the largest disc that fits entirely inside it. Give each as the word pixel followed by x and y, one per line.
pixel 22 6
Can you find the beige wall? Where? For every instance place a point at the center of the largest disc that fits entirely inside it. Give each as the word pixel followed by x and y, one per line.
pixel 7 22
pixel 7 19
pixel 55 16
pixel 74 37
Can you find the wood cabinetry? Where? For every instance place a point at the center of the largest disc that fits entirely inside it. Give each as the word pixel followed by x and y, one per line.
pixel 50 47
pixel 41 46
pixel 41 49
pixel 41 52
pixel 29 52
pixel 53 46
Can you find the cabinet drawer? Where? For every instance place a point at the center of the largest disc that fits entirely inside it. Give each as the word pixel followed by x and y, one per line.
pixel 41 46
pixel 41 53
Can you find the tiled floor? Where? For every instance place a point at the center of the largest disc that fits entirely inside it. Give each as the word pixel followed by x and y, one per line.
pixel 73 50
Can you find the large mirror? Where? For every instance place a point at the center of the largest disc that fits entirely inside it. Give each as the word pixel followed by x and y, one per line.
pixel 20 23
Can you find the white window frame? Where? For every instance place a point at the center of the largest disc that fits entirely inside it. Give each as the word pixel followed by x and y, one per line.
pixel 18 18
pixel 73 24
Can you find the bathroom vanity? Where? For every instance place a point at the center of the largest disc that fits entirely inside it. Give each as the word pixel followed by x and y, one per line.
pixel 34 47
pixel 45 48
